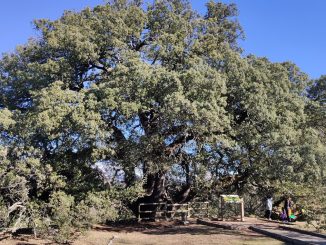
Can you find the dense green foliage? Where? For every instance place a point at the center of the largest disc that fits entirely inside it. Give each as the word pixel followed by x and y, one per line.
pixel 123 104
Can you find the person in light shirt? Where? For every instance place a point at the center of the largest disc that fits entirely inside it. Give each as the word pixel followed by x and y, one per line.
pixel 269 206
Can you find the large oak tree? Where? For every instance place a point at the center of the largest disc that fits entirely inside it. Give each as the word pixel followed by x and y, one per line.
pixel 123 93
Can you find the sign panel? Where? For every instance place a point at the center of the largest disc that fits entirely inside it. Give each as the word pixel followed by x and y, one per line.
pixel 231 199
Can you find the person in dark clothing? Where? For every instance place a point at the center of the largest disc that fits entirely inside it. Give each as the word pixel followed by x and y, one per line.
pixel 287 208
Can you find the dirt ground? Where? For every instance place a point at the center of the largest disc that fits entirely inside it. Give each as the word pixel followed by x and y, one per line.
pixel 166 233
pixel 174 235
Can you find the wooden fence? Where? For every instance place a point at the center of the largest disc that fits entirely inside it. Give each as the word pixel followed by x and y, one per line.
pixel 167 211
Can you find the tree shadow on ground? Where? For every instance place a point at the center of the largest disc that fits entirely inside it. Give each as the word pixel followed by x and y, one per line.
pixel 200 230
pixel 173 228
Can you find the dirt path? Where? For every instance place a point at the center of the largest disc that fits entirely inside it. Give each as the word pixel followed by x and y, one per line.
pixel 290 236
pixel 173 235
pixel 279 230
pixel 166 233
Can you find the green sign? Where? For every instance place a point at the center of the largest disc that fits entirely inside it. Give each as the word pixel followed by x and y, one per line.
pixel 231 199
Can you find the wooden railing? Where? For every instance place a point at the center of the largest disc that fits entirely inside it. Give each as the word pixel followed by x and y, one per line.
pixel 166 211
pixel 199 209
pixel 156 209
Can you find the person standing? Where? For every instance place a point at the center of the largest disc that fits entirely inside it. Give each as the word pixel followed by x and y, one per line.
pixel 269 207
pixel 287 208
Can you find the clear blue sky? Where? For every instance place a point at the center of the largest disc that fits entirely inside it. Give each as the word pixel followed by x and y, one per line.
pixel 281 30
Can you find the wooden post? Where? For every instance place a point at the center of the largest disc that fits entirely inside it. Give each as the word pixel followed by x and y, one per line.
pixel 188 210
pixel 242 210
pixel 222 207
pixel 165 211
pixel 207 209
pixel 139 213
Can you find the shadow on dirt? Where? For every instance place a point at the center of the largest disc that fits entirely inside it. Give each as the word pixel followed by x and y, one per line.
pixel 171 228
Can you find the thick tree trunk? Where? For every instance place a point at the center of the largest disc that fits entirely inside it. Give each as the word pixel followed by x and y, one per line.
pixel 156 192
